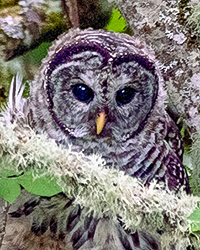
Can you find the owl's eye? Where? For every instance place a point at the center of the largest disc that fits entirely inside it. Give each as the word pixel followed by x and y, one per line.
pixel 82 92
pixel 125 95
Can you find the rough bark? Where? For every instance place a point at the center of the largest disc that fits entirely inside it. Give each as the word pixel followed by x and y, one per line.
pixel 28 23
pixel 70 7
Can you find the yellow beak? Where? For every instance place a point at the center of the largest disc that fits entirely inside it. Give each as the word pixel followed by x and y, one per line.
pixel 100 122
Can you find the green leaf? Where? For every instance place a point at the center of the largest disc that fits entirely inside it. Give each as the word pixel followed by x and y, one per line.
pixel 10 186
pixel 44 186
pixel 116 23
pixel 7 172
pixel 195 220
pixel 36 55
pixel 183 131
pixel 9 189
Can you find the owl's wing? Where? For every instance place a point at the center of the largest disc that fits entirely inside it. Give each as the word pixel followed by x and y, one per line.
pixel 163 161
pixel 176 173
pixel 36 223
pixel 174 139
pixel 176 169
pixel 173 136
pixel 44 223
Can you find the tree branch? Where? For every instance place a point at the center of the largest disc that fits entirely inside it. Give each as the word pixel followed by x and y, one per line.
pixel 70 9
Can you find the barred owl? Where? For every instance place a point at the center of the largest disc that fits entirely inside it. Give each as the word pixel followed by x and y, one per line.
pixel 102 92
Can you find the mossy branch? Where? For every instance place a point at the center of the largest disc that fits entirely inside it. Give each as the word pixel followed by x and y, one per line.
pixel 107 192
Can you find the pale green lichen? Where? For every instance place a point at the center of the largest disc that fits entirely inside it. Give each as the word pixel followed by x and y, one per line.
pixel 193 21
pixel 107 192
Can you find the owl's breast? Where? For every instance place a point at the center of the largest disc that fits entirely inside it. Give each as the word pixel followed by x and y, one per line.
pixel 125 155
pixel 142 159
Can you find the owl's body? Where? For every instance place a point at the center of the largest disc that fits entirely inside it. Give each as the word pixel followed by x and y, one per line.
pixel 102 93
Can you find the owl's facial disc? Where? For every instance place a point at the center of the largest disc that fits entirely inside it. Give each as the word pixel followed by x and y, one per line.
pixel 73 89
pixel 93 97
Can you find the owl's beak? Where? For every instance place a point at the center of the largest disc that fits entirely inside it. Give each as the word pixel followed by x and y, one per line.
pixel 100 122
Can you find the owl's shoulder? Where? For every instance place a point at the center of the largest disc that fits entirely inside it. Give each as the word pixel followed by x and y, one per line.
pixel 174 137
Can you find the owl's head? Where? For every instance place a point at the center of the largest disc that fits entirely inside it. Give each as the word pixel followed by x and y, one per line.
pixel 96 84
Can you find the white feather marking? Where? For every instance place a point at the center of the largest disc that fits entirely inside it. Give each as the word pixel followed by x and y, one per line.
pixel 15 105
